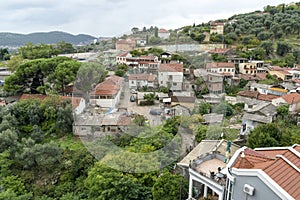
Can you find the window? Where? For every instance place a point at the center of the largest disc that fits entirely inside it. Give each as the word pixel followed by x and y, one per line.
pixel 132 82
pixel 161 82
pixel 229 190
pixel 174 84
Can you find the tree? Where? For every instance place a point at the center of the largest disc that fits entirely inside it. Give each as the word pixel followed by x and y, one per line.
pixel 31 51
pixel 267 46
pixel 204 108
pixel 64 47
pixel 105 183
pixel 65 73
pixel 41 157
pixel 223 108
pixel 89 75
pixel 266 135
pixel 200 132
pixel 282 48
pixel 134 30
pixel 4 54
pixel 150 98
pixel 14 62
pixel 283 111
pixel 31 77
pixel 13 184
pixel 170 187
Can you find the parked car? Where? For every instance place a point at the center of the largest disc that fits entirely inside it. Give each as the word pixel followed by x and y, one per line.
pixel 132 98
pixel 133 91
pixel 155 112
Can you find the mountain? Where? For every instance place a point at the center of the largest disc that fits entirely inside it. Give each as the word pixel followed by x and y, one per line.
pixel 15 39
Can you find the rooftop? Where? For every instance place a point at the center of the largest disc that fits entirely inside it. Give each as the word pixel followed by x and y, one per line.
pixel 292 98
pixel 281 164
pixel 174 67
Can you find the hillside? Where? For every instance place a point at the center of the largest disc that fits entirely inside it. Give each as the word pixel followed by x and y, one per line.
pixel 14 39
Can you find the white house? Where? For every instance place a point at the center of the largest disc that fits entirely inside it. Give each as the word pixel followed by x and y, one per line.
pixel 121 58
pixel 163 33
pixel 107 94
pixel 171 76
pixel 292 99
pixel 139 80
pixel 223 68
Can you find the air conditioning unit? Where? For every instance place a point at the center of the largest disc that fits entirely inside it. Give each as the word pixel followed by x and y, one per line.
pixel 248 189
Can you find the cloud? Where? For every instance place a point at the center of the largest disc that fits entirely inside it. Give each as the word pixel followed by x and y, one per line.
pixel 111 17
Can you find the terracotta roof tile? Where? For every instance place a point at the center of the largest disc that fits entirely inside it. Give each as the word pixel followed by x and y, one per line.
pixel 219 50
pixel 123 54
pixel 75 101
pixel 267 97
pixel 285 175
pixel 280 164
pixel 297 147
pixel 171 67
pixel 162 30
pixel 292 98
pixel 250 94
pixel 32 96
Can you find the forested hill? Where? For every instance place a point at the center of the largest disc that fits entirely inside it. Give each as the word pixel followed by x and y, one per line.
pixel 15 40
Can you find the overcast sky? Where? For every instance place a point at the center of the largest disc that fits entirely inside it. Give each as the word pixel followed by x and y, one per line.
pixel 114 17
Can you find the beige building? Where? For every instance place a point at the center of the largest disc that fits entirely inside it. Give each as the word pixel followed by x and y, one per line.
pixel 248 68
pixel 217 27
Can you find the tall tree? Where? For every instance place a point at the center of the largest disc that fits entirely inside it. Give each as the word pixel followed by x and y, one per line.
pixel 170 187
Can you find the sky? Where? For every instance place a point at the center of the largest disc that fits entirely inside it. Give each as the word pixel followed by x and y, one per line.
pixel 115 17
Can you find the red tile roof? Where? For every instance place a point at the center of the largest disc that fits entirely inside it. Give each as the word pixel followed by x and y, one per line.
pixel 123 54
pixel 257 95
pixel 261 76
pixel 297 147
pixel 162 30
pixel 280 164
pixel 292 98
pixel 75 101
pixel 219 50
pixel 32 96
pixel 267 97
pixel 220 65
pixel 109 87
pixel 250 94
pixel 175 67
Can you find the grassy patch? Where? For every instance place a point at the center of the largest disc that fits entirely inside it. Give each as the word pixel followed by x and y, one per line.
pixel 71 142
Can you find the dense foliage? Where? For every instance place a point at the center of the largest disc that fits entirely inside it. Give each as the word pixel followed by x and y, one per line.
pixel 40 159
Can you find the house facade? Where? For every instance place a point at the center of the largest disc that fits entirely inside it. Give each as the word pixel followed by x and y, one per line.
pixel 214 83
pixel 264 173
pixel 203 167
pixel 222 68
pixel 140 80
pixel 217 27
pixel 107 94
pixel 171 76
pixel 292 100
pixel 122 57
pixel 163 33
pixel 248 68
pixel 262 113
